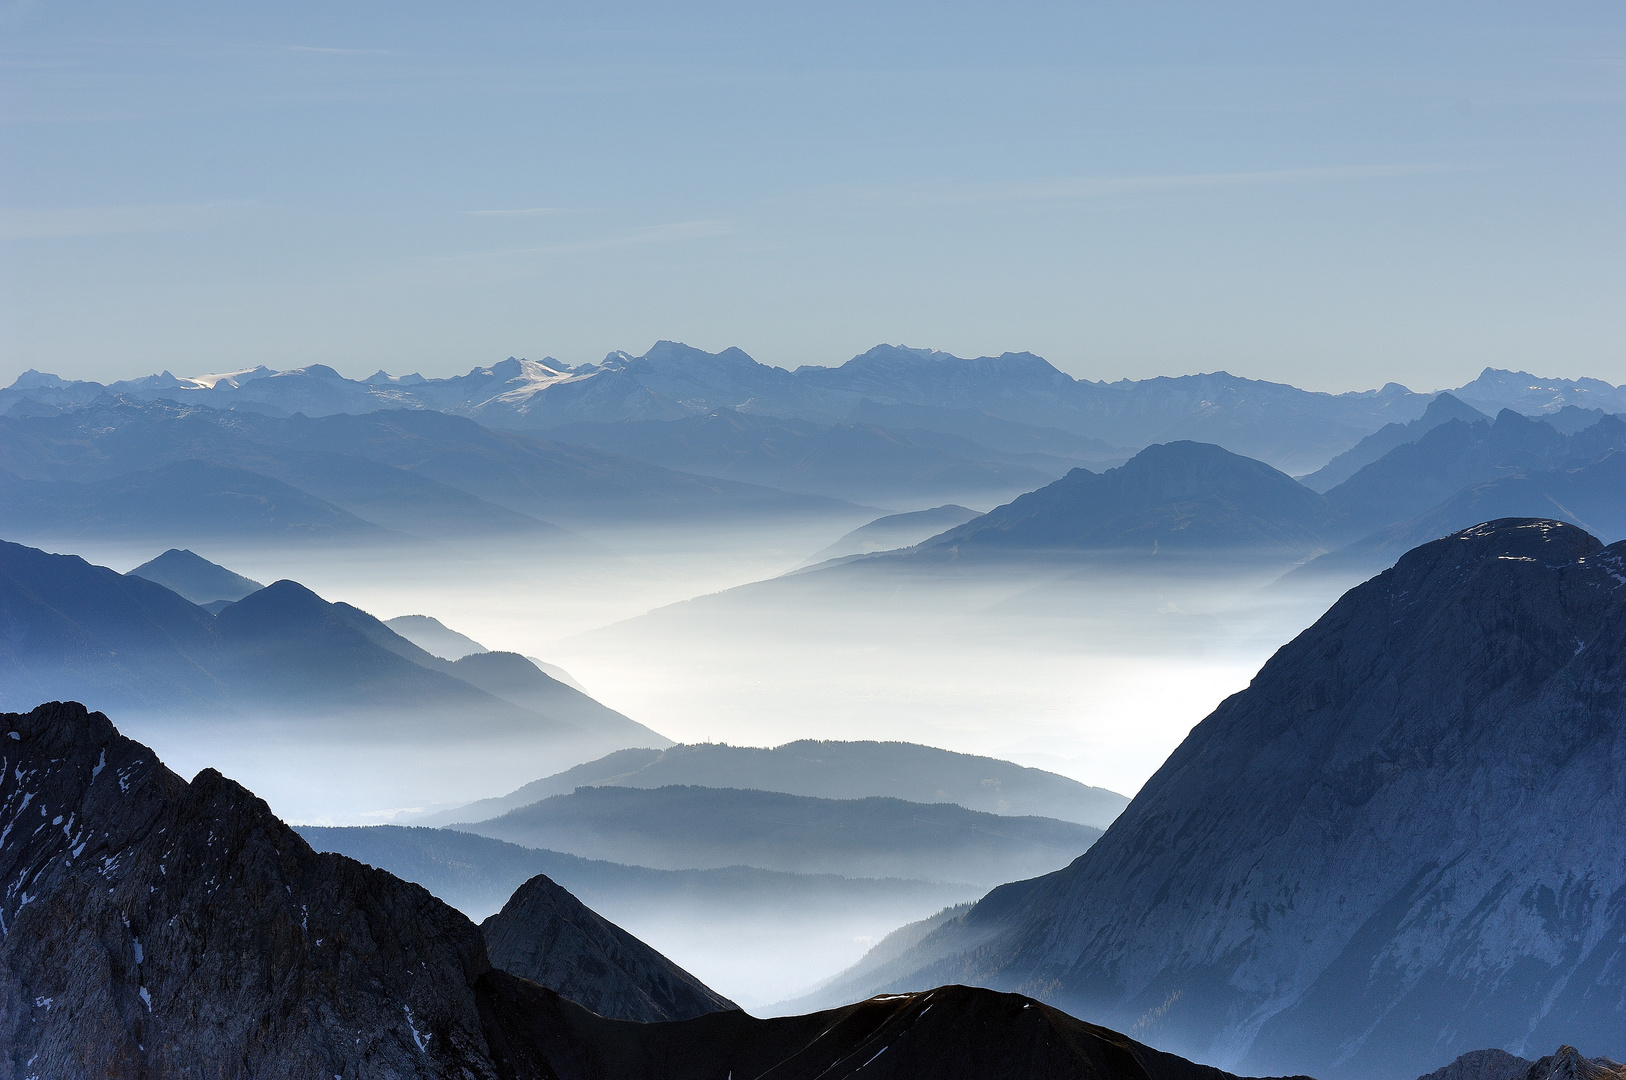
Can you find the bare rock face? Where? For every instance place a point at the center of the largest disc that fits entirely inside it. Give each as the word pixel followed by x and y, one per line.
pixel 1566 1063
pixel 548 936
pixel 154 928
pixel 159 928
pixel 1483 1065
pixel 1406 839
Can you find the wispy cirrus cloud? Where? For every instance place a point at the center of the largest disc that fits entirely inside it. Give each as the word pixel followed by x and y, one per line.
pixel 526 211
pixel 1064 188
pixel 336 51
pixel 44 222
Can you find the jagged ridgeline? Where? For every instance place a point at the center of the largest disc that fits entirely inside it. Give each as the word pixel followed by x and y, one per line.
pixel 158 928
pixel 1406 839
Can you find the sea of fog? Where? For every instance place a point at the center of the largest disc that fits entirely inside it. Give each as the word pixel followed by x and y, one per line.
pixel 1095 673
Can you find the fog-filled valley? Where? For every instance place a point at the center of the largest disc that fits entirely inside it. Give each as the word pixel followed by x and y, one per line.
pixel 797 731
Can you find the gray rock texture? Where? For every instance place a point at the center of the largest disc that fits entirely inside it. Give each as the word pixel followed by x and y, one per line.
pixel 159 928
pixel 1406 839
pixel 548 936
pixel 154 928
pixel 1483 1065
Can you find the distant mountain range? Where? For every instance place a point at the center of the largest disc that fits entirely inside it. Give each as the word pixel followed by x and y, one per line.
pixel 1175 497
pixel 1433 476
pixel 191 475
pixel 675 432
pixel 688 827
pixel 1400 843
pixel 827 770
pixel 173 928
pixel 1443 408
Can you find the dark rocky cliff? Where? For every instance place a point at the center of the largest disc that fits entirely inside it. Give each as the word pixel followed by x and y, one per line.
pixel 155 927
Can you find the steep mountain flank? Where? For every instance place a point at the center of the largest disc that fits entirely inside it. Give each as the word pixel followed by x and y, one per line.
pixel 548 936
pixel 1442 409
pixel 1455 455
pixel 1592 496
pixel 159 928
pixel 1401 842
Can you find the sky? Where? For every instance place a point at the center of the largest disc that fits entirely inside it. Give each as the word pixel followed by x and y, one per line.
pixel 1333 195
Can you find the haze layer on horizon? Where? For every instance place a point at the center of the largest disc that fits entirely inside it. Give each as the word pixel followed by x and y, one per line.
pixel 1334 197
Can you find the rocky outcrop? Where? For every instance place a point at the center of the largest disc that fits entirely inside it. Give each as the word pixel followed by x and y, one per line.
pixel 155 928
pixel 1483 1065
pixel 1567 1064
pixel 1401 842
pixel 548 936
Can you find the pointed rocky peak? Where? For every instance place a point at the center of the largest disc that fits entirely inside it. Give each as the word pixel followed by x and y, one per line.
pixel 1566 1063
pixel 548 936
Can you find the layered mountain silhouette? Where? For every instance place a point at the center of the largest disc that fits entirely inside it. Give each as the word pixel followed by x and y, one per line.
pixel 78 630
pixel 850 460
pixel 827 770
pixel 682 827
pixel 196 578
pixel 1401 842
pixel 1007 402
pixel 159 927
pixel 1443 408
pixel 477 875
pixel 1592 496
pixel 1413 478
pixel 192 499
pixel 431 635
pixel 895 531
pixel 1174 497
pixel 118 464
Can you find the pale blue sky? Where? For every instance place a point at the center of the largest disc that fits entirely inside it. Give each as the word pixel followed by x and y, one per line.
pixel 1332 195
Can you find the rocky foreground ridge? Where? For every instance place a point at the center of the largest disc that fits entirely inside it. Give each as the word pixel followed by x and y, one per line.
pixel 158 928
pixel 1406 839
